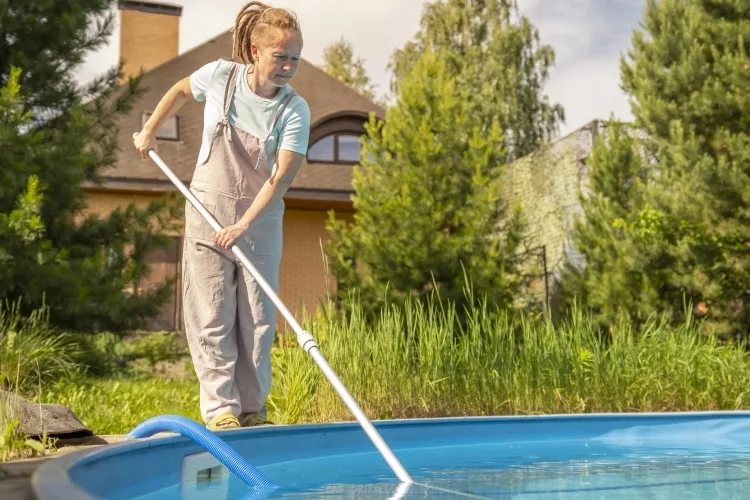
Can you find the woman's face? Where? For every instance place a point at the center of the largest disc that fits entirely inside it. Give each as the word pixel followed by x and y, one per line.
pixel 277 63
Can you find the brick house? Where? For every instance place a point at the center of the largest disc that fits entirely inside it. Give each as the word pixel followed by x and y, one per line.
pixel 149 41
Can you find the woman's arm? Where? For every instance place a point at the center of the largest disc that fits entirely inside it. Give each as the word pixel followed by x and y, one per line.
pixel 167 107
pixel 287 165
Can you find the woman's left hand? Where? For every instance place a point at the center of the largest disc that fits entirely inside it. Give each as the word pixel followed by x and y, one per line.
pixel 227 236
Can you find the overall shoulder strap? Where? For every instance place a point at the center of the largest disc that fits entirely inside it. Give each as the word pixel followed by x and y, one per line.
pixel 279 110
pixel 229 89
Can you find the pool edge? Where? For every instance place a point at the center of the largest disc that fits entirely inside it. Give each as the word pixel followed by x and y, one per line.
pixel 52 481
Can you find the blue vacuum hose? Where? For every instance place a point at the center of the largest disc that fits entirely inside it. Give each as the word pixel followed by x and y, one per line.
pixel 209 441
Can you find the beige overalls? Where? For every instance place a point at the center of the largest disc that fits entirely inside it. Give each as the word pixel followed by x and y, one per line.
pixel 229 320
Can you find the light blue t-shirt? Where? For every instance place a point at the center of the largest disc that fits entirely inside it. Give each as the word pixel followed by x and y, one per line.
pixel 249 112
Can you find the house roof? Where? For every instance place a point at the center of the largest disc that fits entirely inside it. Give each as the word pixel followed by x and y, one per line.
pixel 326 96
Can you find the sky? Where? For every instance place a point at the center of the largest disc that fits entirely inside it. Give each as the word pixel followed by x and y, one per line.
pixel 588 36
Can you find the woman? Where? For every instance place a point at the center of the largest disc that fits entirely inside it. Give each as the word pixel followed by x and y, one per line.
pixel 255 135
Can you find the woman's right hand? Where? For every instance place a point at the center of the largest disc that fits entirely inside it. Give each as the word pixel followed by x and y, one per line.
pixel 143 141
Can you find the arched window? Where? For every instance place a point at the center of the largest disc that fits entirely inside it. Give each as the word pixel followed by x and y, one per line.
pixel 336 148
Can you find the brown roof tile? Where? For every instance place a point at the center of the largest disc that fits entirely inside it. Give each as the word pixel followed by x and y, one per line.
pixel 330 176
pixel 325 95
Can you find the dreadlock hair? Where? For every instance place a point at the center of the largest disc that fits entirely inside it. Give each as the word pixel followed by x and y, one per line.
pixel 260 24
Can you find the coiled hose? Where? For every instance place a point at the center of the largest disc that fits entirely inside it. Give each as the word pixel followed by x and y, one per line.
pixel 209 441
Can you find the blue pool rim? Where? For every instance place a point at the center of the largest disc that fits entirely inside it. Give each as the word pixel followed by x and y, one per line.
pixel 63 477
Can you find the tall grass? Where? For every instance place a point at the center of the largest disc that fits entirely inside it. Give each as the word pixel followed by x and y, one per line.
pixel 31 353
pixel 420 361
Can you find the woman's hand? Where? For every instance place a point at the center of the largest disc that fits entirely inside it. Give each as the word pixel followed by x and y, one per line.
pixel 167 107
pixel 144 140
pixel 227 236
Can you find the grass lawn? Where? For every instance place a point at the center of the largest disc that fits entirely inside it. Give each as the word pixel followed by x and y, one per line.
pixel 115 405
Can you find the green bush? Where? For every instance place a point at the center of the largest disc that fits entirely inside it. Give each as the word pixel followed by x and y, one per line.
pixel 109 354
pixel 158 347
pixel 102 354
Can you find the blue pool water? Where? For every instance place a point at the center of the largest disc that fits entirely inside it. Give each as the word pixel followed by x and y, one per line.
pixel 612 457
pixel 478 471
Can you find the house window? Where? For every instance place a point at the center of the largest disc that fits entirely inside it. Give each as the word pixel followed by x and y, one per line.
pixel 336 148
pixel 169 131
pixel 323 150
pixel 349 148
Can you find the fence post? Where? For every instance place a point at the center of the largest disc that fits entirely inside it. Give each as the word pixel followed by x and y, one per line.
pixel 546 282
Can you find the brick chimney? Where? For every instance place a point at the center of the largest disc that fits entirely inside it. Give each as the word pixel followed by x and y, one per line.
pixel 149 34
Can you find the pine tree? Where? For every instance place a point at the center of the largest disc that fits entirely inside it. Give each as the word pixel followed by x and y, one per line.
pixel 626 268
pixel 427 200
pixel 22 226
pixel 55 136
pixel 495 55
pixel 468 100
pixel 687 75
pixel 340 63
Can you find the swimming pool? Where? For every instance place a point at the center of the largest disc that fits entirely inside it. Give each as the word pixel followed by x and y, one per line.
pixel 561 457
